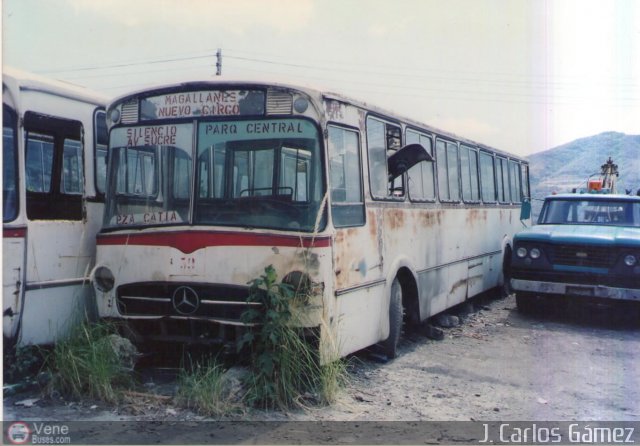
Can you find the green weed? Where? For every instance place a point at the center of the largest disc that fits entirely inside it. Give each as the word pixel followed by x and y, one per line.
pixel 206 389
pixel 284 360
pixel 88 364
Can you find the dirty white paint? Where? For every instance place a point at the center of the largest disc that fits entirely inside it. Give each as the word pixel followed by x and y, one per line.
pixel 443 253
pixel 47 261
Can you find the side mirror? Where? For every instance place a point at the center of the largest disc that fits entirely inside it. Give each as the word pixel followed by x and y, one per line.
pixel 525 210
pixel 405 158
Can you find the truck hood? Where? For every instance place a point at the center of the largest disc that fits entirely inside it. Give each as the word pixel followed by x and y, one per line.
pixel 581 234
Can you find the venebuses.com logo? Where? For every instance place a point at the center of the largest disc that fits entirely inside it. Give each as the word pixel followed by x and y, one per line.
pixel 18 433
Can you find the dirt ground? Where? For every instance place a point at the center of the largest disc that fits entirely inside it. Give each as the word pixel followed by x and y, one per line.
pixel 496 365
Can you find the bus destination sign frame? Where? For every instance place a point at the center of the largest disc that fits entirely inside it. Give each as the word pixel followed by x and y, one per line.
pixel 203 103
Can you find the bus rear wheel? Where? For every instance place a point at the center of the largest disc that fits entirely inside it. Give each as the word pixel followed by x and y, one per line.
pixel 390 345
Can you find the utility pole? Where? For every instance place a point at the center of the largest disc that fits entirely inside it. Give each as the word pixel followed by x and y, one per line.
pixel 219 62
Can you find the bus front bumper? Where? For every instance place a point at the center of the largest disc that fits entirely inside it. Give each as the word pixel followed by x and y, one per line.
pixel 577 290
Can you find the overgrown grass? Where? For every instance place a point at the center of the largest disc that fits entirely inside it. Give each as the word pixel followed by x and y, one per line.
pixel 205 389
pixel 88 364
pixel 284 362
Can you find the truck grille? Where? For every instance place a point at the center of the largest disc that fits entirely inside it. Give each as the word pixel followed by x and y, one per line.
pixel 580 255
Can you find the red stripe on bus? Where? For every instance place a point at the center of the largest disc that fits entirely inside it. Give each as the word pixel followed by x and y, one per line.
pixel 14 232
pixel 191 241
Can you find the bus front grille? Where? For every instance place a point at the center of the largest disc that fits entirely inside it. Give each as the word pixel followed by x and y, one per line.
pixel 219 303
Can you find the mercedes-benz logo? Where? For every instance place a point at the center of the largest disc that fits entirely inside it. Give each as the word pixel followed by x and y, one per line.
pixel 185 300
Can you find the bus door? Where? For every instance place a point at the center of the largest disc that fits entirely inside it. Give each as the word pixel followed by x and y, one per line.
pixel 59 248
pixel 357 250
pixel 14 232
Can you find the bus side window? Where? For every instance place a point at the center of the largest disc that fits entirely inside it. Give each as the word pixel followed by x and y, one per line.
pixel 524 177
pixel 469 174
pixel 72 173
pixel 487 178
pixel 448 171
pixel 420 177
pixel 54 174
pixel 383 140
pixel 345 170
pixel 514 171
pixel 502 177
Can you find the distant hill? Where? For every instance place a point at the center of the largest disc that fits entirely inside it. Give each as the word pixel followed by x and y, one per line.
pixel 567 166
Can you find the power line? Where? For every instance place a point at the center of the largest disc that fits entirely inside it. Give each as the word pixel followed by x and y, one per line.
pixel 442 74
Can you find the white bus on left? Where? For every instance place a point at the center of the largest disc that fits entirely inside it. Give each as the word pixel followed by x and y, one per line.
pixel 54 141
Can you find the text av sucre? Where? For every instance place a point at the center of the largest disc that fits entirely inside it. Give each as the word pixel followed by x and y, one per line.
pixel 157 135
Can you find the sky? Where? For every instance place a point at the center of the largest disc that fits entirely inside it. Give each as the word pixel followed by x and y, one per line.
pixel 520 75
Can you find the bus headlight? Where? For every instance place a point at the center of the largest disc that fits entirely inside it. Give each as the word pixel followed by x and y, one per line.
pixel 521 252
pixel 300 283
pixel 103 279
pixel 534 253
pixel 630 260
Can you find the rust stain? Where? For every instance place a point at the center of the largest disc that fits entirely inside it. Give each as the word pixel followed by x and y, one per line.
pixel 430 218
pixel 458 284
pixel 396 218
pixel 476 215
pixel 310 260
pixel 335 110
pixel 373 224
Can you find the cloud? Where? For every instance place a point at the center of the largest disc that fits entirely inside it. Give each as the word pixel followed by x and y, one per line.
pixel 233 16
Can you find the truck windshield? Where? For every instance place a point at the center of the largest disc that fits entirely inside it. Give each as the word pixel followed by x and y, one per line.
pixel 591 212
pixel 263 174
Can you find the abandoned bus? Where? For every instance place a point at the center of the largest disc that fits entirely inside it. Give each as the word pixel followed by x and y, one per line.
pixel 54 139
pixel 382 219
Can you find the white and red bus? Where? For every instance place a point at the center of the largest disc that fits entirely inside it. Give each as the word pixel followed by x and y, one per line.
pixel 54 141
pixel 386 220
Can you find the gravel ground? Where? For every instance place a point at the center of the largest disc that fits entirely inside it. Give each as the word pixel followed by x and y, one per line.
pixel 496 365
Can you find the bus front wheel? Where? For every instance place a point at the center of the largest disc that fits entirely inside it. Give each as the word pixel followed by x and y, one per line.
pixel 390 345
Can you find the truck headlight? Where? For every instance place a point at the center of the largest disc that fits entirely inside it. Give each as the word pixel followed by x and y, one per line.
pixel 534 253
pixel 630 260
pixel 521 252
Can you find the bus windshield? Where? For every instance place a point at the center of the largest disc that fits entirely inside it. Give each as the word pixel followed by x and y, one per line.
pixel 150 179
pixel 263 174
pixel 257 173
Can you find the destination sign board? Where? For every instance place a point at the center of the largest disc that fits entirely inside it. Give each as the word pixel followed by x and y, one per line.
pixel 193 104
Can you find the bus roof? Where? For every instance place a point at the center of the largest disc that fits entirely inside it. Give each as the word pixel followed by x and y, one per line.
pixel 25 81
pixel 319 94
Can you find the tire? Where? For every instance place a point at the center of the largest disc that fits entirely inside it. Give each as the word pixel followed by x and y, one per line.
pixel 390 345
pixel 526 303
pixel 505 289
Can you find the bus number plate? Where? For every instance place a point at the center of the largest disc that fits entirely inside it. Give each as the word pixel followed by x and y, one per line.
pixel 184 265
